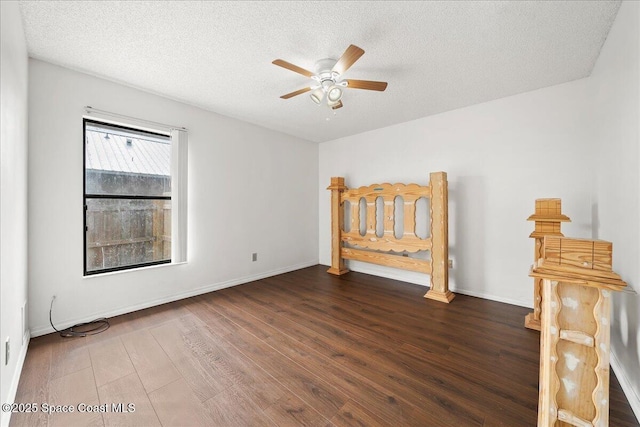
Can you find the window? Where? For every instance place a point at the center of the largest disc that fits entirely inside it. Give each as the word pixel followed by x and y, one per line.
pixel 127 198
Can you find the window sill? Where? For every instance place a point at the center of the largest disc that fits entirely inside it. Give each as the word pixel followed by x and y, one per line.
pixel 133 270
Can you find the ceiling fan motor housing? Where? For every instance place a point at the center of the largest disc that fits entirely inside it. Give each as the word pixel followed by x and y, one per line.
pixel 325 66
pixel 325 74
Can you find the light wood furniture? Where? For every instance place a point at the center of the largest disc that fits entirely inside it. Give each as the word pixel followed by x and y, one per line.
pixel 376 249
pixel 574 347
pixel 548 218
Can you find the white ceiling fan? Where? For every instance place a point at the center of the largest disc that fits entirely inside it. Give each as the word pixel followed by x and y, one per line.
pixel 328 82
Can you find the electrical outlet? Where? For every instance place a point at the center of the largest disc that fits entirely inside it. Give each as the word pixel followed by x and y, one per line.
pixel 450 263
pixel 254 256
pixel 6 351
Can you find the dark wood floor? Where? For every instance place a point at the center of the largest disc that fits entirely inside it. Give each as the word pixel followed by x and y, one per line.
pixel 303 348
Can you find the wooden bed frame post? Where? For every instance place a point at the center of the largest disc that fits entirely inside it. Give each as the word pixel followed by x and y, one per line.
pixel 439 214
pixel 548 218
pixel 575 344
pixel 337 224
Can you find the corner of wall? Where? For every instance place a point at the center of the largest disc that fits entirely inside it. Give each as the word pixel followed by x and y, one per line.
pixel 13 199
pixel 614 96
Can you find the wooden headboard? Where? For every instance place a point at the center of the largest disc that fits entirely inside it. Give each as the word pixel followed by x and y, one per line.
pixel 379 250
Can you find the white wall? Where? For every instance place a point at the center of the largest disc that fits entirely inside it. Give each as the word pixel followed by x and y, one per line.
pixel 499 156
pixel 13 197
pixel 250 190
pixel 615 97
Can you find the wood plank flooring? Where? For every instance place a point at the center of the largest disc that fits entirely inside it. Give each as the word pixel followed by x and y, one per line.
pixel 300 349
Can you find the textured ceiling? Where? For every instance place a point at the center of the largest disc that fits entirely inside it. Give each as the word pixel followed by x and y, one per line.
pixel 436 56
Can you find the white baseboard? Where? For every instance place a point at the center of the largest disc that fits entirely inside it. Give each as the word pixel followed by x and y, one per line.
pixel 418 279
pixel 625 383
pixel 13 388
pixel 491 297
pixel 47 329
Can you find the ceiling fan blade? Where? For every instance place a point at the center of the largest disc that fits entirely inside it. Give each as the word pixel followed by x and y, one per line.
pixel 296 93
pixel 294 68
pixel 366 84
pixel 338 105
pixel 348 58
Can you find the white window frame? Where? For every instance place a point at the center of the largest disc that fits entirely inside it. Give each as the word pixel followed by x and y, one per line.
pixel 179 189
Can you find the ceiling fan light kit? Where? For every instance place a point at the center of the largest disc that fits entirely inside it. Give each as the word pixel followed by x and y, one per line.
pixel 334 94
pixel 317 95
pixel 328 83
